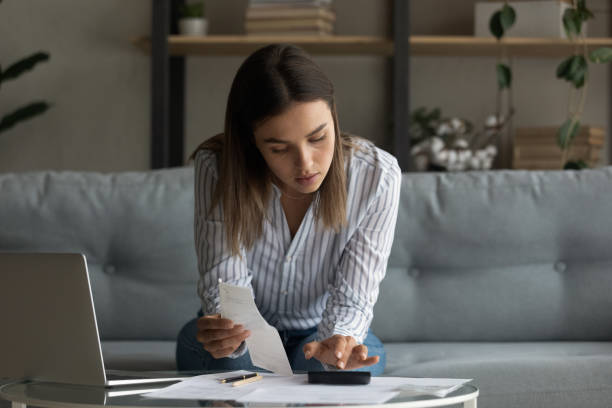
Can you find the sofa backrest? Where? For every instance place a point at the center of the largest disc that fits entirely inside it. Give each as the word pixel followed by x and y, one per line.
pixel 500 256
pixel 135 229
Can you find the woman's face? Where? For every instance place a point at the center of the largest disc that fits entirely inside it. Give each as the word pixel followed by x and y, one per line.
pixel 298 146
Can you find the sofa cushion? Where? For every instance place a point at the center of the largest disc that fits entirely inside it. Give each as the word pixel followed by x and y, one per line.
pixel 136 230
pixel 500 256
pixel 533 374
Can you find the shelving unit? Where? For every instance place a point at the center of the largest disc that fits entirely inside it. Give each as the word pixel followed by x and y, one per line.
pixel 168 72
pixel 169 51
pixel 467 46
pixel 459 46
pixel 220 45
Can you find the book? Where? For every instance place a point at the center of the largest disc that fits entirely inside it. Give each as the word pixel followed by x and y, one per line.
pixel 554 152
pixel 285 3
pixel 293 13
pixel 288 24
pixel 295 33
pixel 544 164
pixel 547 135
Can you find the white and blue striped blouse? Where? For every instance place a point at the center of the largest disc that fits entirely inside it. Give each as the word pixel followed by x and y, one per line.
pixel 320 277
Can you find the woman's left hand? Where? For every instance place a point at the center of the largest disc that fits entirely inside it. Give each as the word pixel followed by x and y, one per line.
pixel 340 351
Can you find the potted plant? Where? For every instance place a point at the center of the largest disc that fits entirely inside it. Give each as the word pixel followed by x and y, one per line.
pixel 192 21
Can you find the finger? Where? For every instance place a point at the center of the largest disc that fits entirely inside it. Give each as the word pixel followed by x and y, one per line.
pixel 321 351
pixel 310 349
pixel 204 336
pixel 338 345
pixel 360 352
pixel 350 343
pixel 354 363
pixel 211 323
pixel 228 342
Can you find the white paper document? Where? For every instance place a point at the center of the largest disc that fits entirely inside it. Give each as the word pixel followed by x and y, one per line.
pixel 295 389
pixel 264 344
pixel 204 387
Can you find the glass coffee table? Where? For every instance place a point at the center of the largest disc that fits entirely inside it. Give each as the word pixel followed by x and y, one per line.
pixel 54 395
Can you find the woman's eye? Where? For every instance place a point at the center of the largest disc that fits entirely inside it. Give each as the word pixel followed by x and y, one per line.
pixel 319 139
pixel 278 150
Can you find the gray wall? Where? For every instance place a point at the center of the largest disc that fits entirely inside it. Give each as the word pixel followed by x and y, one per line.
pixel 99 83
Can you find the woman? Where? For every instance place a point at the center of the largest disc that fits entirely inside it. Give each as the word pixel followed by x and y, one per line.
pixel 302 214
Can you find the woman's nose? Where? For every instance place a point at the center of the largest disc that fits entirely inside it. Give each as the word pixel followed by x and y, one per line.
pixel 303 158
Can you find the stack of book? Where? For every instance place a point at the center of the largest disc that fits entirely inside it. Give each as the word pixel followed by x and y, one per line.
pixel 536 148
pixel 290 17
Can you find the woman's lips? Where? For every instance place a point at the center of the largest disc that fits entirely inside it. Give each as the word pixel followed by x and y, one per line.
pixel 307 180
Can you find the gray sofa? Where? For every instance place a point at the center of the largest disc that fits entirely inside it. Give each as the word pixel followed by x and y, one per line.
pixel 504 277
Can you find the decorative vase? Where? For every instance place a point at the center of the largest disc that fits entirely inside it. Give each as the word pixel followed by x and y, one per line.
pixel 193 26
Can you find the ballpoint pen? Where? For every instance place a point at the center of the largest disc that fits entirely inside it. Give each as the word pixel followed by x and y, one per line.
pixel 238 378
pixel 249 380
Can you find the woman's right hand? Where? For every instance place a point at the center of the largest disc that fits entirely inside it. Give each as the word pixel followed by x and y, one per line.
pixel 220 337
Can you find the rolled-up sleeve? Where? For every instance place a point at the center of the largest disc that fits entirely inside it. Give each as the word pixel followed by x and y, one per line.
pixel 363 263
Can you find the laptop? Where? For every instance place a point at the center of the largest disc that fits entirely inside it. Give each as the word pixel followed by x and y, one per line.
pixel 48 321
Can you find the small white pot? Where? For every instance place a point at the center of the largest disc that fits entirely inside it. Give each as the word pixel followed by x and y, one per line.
pixel 193 26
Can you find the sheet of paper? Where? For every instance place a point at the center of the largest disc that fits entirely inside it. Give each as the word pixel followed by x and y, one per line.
pixel 204 387
pixel 439 387
pixel 380 390
pixel 319 394
pixel 295 389
pixel 264 344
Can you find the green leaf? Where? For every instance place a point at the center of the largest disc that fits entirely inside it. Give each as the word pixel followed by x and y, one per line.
pixel 507 17
pixel 23 65
pixel 583 11
pixel 504 76
pixel 567 132
pixel 575 165
pixel 21 114
pixel 495 25
pixel 571 22
pixel 563 68
pixel 601 55
pixel 578 71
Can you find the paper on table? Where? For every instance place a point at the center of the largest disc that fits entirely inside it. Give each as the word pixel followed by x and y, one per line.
pixel 319 394
pixel 380 390
pixel 204 387
pixel 295 389
pixel 264 343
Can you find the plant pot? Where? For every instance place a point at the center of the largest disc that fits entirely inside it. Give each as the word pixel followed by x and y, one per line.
pixel 193 26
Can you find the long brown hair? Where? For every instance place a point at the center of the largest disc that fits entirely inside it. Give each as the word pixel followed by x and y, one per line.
pixel 266 84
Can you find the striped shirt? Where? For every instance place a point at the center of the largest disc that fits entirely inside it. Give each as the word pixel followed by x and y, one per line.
pixel 320 277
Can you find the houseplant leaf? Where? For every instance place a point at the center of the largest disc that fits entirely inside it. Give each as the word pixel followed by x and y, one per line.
pixel 21 114
pixel 504 76
pixel 577 71
pixel 567 132
pixel 575 165
pixel 601 55
pixel 21 66
pixel 495 25
pixel 571 22
pixel 507 17
pixel 563 68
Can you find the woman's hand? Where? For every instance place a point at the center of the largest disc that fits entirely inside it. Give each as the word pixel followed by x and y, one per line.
pixel 220 337
pixel 340 351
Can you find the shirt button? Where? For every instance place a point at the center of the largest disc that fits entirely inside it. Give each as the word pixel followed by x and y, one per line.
pixel 284 292
pixel 288 258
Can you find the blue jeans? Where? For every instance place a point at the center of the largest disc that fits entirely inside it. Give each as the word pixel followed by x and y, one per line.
pixel 190 354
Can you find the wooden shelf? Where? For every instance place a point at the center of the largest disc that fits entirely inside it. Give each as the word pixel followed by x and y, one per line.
pixel 244 45
pixel 467 46
pixel 460 46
